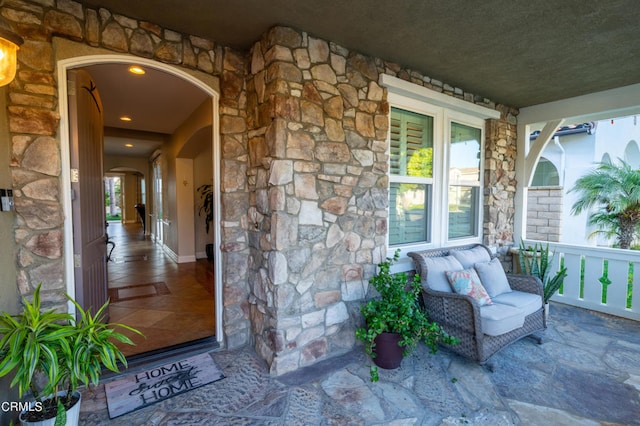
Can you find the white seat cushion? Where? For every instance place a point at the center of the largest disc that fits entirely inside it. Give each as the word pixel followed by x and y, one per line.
pixel 498 319
pixel 528 303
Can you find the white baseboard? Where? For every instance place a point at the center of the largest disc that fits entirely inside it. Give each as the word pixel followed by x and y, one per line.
pixel 187 259
pixel 170 253
pixel 176 258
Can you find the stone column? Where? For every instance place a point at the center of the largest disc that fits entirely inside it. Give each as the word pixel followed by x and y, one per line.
pixel 500 182
pixel 318 164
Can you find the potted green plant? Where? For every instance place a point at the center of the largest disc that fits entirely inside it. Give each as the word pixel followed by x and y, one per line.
pixel 395 322
pixel 51 354
pixel 537 261
pixel 206 195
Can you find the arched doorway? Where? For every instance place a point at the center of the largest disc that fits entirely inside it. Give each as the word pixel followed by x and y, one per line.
pixel 91 62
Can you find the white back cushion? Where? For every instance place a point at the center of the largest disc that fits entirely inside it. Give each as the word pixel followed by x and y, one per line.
pixel 469 257
pixel 436 268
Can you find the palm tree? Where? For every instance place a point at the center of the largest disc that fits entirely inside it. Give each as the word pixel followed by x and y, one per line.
pixel 615 192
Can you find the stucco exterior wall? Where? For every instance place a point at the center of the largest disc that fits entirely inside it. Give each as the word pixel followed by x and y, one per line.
pixel 9 296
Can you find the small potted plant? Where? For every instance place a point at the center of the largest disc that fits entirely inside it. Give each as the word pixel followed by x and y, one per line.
pixel 51 354
pixel 395 322
pixel 206 195
pixel 537 261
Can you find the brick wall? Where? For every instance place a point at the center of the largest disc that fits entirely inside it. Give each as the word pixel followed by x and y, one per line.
pixel 544 213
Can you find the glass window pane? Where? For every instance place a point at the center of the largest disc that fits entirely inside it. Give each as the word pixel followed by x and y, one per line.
pixel 546 174
pixel 463 211
pixel 411 144
pixel 408 213
pixel 464 154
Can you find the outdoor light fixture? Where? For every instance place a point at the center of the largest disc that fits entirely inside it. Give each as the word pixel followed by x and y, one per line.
pixel 10 42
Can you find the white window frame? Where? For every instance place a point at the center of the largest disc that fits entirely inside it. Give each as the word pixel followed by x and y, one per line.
pixel 444 109
pixel 436 192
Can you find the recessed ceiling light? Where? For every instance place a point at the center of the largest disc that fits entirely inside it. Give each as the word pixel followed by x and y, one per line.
pixel 125 118
pixel 136 69
pixel 128 145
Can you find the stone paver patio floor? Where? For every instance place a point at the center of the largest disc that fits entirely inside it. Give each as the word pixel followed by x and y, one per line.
pixel 587 372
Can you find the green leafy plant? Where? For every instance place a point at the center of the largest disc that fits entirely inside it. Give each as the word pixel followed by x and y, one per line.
pixel 206 195
pixel 50 352
pixel 613 192
pixel 397 310
pixel 535 261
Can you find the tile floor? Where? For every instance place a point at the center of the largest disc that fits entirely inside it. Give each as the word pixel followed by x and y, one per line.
pixel 169 303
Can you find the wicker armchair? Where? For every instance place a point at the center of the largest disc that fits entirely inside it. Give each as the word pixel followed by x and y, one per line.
pixel 459 315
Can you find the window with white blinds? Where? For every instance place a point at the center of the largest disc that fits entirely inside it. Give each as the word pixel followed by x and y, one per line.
pixel 435 169
pixel 436 144
pixel 411 176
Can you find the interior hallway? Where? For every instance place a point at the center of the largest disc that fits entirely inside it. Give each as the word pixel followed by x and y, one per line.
pixel 169 303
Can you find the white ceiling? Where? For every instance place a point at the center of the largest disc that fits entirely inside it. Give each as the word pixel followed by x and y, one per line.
pixel 157 102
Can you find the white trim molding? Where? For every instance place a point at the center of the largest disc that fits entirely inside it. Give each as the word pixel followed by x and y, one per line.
pixel 411 90
pixel 444 109
pixel 618 102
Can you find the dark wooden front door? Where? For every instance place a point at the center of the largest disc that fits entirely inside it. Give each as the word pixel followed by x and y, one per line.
pixel 86 154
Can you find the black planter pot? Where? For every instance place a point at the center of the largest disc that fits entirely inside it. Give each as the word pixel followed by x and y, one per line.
pixel 209 250
pixel 388 351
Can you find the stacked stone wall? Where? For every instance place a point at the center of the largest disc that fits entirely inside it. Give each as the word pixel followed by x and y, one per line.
pixel 500 182
pixel 318 125
pixel 319 164
pixel 34 123
pixel 303 127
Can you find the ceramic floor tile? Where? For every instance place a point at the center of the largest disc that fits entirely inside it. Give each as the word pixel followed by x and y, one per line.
pixel 187 313
pixel 116 313
pixel 144 317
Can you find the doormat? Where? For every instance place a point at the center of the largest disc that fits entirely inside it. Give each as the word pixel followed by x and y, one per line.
pixel 137 291
pixel 158 384
pixel 133 258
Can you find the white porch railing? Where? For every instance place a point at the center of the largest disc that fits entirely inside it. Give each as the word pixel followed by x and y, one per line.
pixel 600 279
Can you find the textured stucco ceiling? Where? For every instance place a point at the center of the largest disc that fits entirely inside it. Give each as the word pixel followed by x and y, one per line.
pixel 520 53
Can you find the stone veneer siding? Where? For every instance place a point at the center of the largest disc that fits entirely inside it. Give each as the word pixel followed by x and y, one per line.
pixel 544 213
pixel 303 126
pixel 500 183
pixel 34 117
pixel 318 124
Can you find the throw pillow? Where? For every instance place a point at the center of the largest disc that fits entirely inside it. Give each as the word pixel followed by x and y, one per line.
pixel 467 282
pixel 470 257
pixel 492 277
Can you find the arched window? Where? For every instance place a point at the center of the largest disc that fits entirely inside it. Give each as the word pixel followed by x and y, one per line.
pixel 546 174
